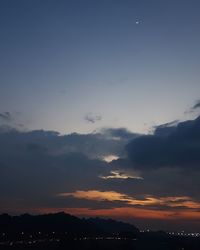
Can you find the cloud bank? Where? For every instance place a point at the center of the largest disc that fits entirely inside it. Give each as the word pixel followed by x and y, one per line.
pixel 174 146
pixel 155 174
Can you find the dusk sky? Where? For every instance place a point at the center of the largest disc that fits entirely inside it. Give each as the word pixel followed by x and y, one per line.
pixel 100 109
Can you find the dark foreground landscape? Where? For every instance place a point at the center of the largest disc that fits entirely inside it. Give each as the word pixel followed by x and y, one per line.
pixel 63 231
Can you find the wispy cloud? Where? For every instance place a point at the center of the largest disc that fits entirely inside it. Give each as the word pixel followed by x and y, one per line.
pixel 197 105
pixel 120 175
pixel 6 116
pixel 92 118
pixel 112 196
pixel 193 108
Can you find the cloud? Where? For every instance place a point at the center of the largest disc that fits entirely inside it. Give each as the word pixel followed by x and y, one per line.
pixel 6 116
pixel 65 164
pixel 93 118
pixel 10 121
pixel 179 146
pixel 119 133
pixel 115 174
pixel 197 105
pixel 113 196
pixel 166 129
pixel 193 108
pixel 94 145
pixel 110 158
pixel 55 162
pixel 96 195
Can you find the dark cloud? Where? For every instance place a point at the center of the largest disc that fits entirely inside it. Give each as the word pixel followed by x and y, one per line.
pixel 179 147
pixel 94 145
pixel 10 121
pixel 92 118
pixel 37 166
pixel 165 129
pixel 6 116
pixel 193 108
pixel 197 105
pixel 57 163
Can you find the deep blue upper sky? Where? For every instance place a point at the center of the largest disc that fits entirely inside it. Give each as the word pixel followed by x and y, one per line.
pixel 62 61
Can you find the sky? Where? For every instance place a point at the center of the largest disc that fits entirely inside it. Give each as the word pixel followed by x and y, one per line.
pixel 99 105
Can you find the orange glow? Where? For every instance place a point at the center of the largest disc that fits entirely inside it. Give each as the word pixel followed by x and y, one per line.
pixel 127 212
pixel 96 195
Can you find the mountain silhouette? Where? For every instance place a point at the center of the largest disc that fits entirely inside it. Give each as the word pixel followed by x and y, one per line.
pixel 62 222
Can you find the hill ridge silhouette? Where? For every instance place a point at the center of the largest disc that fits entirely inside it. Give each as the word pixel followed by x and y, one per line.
pixel 61 222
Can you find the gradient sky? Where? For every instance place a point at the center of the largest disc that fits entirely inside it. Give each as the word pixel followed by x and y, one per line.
pixel 62 60
pixel 118 82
